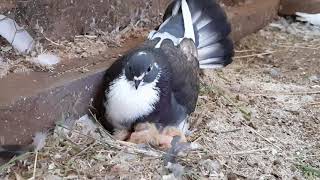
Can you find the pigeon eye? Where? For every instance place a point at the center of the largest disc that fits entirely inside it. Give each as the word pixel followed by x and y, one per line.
pixel 149 69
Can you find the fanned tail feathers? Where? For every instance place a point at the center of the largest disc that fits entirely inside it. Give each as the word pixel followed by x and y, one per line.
pixel 210 29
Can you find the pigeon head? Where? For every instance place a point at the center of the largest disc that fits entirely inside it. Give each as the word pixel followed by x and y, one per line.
pixel 141 68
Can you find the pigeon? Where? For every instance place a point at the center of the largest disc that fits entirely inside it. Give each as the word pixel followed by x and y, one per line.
pixel 313 19
pixel 158 81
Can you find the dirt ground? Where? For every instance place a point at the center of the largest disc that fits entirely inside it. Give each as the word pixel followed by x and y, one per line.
pixel 279 87
pixel 259 118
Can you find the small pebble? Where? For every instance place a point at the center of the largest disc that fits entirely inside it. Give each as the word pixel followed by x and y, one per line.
pixel 274 73
pixel 176 169
pixel 211 166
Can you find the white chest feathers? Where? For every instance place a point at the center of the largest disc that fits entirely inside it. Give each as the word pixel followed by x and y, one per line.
pixel 125 103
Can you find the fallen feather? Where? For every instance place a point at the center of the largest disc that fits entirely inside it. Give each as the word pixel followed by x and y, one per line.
pixel 46 59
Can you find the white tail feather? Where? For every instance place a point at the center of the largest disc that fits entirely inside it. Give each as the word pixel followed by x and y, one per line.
pixel 187 20
pixel 211 66
pixel 210 60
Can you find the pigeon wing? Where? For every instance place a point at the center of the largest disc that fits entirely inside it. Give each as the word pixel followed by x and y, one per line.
pixel 185 79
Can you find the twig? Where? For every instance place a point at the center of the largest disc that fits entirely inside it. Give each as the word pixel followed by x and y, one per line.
pixel 249 151
pixel 301 47
pixel 302 93
pixel 91 36
pixel 314 104
pixel 303 157
pixel 35 165
pixel 239 152
pixel 86 36
pixel 229 131
pixel 13 160
pixel 254 55
pixel 241 51
pixel 57 44
pixel 285 93
pixel 222 77
pixel 118 144
pixel 82 151
pixel 103 129
pixel 257 133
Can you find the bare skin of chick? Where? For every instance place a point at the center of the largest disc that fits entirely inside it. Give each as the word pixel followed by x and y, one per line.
pixel 148 133
pixel 140 130
pixel 145 133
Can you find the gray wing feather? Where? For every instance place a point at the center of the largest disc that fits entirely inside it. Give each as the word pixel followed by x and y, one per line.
pixel 185 79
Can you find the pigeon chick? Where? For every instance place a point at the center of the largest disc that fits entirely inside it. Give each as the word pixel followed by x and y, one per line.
pixel 158 81
pixel 148 133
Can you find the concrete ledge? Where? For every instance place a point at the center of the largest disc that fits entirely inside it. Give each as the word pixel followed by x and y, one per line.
pixel 290 7
pixel 34 102
pixel 252 16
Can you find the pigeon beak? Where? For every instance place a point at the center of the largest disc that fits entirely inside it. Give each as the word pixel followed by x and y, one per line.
pixel 137 83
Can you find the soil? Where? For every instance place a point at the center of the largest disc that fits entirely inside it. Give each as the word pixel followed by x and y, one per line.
pixel 282 93
pixel 258 118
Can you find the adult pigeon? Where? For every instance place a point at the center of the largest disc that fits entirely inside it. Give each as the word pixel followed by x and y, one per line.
pixel 313 19
pixel 158 82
